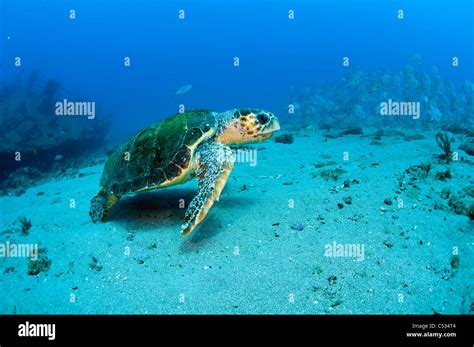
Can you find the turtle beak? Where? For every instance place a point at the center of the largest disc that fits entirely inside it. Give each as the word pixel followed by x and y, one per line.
pixel 272 126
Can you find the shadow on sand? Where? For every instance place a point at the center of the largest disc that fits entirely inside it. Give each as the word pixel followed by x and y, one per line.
pixel 161 210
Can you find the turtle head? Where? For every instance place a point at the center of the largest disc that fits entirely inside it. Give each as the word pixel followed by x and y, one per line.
pixel 247 126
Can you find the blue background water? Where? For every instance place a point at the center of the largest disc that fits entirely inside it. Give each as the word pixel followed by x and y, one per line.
pixel 86 54
pixel 409 250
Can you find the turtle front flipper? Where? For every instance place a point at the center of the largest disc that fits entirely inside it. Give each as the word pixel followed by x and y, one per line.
pixel 215 162
pixel 101 205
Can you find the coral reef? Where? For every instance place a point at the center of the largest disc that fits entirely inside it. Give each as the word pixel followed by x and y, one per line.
pixel 455 262
pixel 468 147
pixel 444 142
pixel 285 138
pixel 459 202
pixel 332 174
pixel 42 264
pixel 443 175
pixel 323 164
pixel 25 225
pixel 19 180
pixel 344 132
pixel 351 131
pixel 31 127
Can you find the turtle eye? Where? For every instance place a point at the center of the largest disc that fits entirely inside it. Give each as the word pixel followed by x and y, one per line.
pixel 263 118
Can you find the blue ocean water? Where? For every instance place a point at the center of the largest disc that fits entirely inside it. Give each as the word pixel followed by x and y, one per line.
pixel 363 201
pixel 87 54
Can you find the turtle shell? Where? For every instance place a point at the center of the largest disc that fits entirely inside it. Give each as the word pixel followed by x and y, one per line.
pixel 159 155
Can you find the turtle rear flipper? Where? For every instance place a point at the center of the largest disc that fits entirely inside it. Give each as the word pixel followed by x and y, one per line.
pixel 215 164
pixel 101 205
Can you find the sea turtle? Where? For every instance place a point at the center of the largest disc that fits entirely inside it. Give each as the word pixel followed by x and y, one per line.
pixel 192 144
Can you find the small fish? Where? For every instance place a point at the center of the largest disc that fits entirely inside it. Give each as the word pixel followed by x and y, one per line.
pixel 58 157
pixel 184 89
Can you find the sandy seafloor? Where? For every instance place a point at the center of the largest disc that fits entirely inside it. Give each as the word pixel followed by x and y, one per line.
pixel 277 269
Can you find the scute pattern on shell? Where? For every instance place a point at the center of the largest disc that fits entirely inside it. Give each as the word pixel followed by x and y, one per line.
pixel 156 154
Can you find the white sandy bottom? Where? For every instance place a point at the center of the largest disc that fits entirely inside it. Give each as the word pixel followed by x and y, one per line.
pixel 241 260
